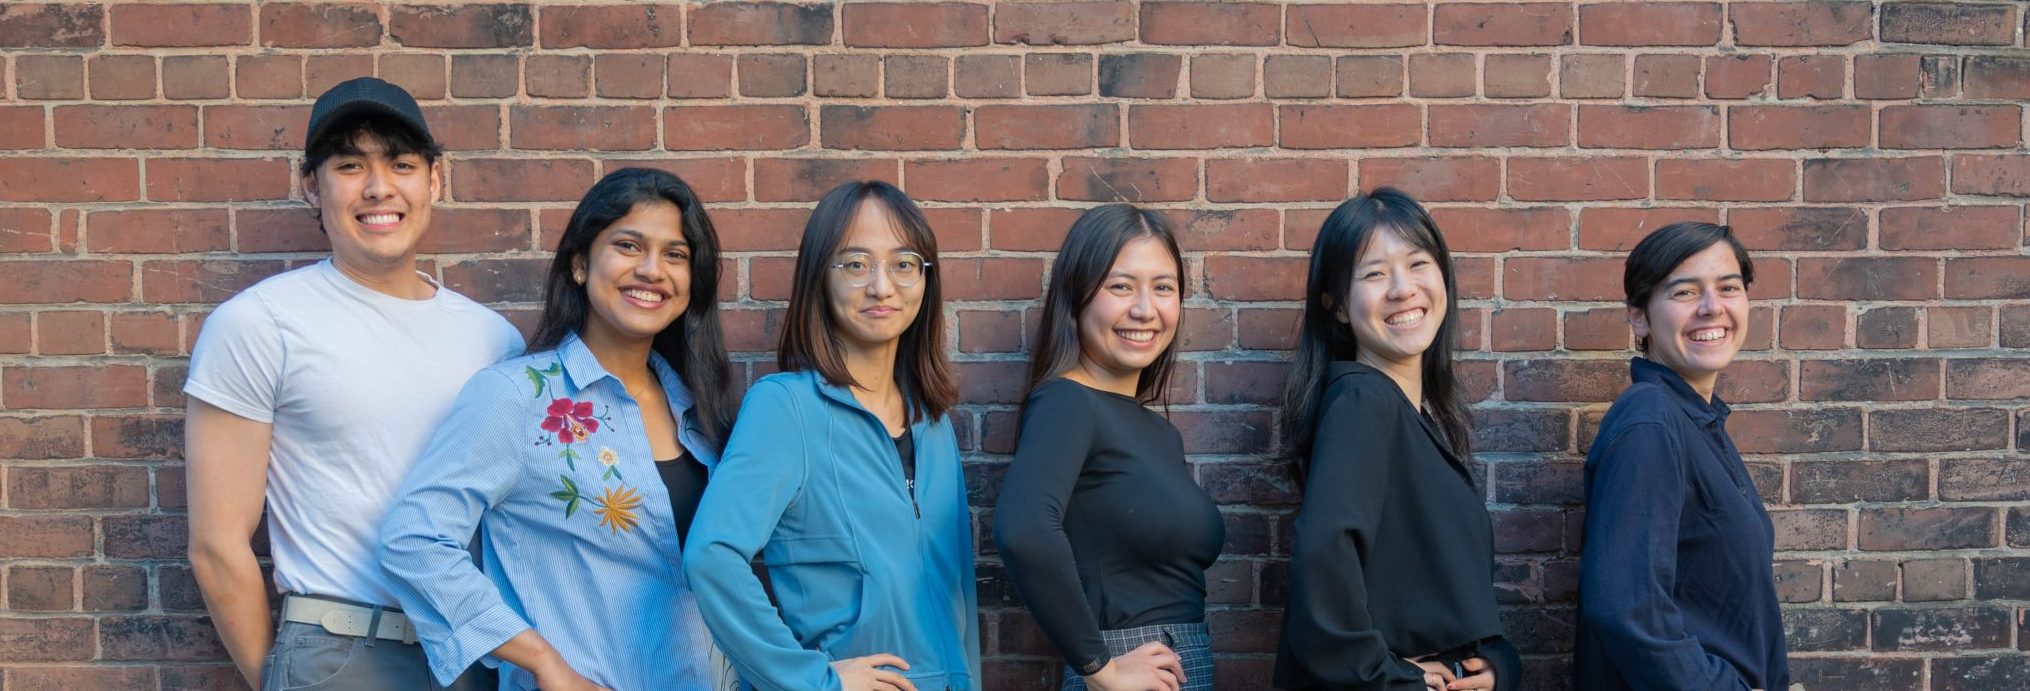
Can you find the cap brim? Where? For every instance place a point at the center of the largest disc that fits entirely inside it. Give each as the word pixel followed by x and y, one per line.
pixel 364 107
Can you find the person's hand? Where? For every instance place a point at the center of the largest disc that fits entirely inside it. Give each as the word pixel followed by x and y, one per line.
pixel 560 677
pixel 866 673
pixel 1436 674
pixel 1479 675
pixel 1151 667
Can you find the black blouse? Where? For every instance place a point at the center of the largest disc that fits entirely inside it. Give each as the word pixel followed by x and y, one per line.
pixel 684 477
pixel 1394 553
pixel 1100 521
pixel 1676 587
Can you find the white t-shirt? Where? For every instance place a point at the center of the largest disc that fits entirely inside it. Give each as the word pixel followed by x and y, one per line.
pixel 354 382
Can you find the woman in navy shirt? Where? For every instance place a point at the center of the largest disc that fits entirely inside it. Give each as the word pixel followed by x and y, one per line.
pixel 1676 590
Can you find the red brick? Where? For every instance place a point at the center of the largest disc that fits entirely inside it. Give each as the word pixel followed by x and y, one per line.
pixel 69 180
pixel 1357 26
pixel 1201 126
pixel 760 24
pixel 1617 230
pixel 1741 180
pixel 181 25
pixel 1987 379
pixel 201 281
pixel 70 333
pixel 1873 179
pixel 1517 76
pixel 1275 180
pixel 1811 76
pixel 1222 24
pixel 1247 279
pixel 1993 174
pixel 1989 278
pixel 482 75
pixel 1951 228
pixel 469 230
pixel 462 26
pixel 195 77
pixel 1579 381
pixel 1997 77
pixel 1605 328
pixel 892 128
pixel 36 438
pixel 25 231
pixel 1222 76
pixel 126 127
pixel 701 76
pixel 1525 24
pixel 1561 278
pixel 53 282
pixel 979 180
pixel 321 72
pixel 1737 76
pixel 986 76
pixel 808 179
pixel 1887 328
pixel 1649 127
pixel 423 76
pixel 760 230
pixel 1797 24
pixel 49 77
pixel 1895 528
pixel 1435 179
pixel 78 487
pixel 1064 23
pixel 465 128
pixel 1887 76
pixel 319 25
pixel 1131 75
pixel 122 77
pixel 914 76
pixel 271 76
pixel 710 128
pixel 52 26
pixel 577 128
pixel 103 386
pixel 268 128
pixel 913 25
pixel 1477 125
pixel 1649 24
pixel 218 179
pixel 1133 180
pixel 1562 179
pixel 620 27
pixel 1222 230
pixel 158 231
pixel 1810 229
pixel 771 76
pixel 1951 127
pixel 1442 75
pixel 1047 127
pixel 1369 76
pixel 1522 329
pixel 1350 127
pixel 21 127
pixel 957 229
pixel 1952 24
pixel 43 639
pixel 1030 229
pixel 1503 230
pixel 66 678
pixel 1813 327
pixel 558 76
pixel 713 179
pixel 1797 127
pixel 521 180
pixel 146 333
pixel 1959 327
pixel 1867 278
pixel 991 278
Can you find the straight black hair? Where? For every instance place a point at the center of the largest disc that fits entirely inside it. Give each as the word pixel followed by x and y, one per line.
pixel 1660 253
pixel 694 345
pixel 810 339
pixel 1082 264
pixel 1322 338
pixel 342 139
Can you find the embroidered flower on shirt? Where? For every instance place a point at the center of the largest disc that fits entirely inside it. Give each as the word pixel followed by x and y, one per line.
pixel 612 462
pixel 616 508
pixel 572 421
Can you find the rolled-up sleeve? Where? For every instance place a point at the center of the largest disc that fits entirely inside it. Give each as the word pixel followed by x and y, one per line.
pixel 470 465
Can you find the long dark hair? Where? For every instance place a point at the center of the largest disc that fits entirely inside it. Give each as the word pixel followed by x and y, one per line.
pixel 1660 253
pixel 1083 263
pixel 810 339
pixel 1323 339
pixel 694 345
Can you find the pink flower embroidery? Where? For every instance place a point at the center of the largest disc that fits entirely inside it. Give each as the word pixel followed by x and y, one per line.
pixel 572 421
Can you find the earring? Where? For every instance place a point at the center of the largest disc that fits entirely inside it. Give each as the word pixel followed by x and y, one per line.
pixel 578 277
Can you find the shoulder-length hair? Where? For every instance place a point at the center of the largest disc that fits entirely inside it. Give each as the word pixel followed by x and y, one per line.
pixel 695 344
pixel 1322 338
pixel 1083 263
pixel 1660 253
pixel 810 339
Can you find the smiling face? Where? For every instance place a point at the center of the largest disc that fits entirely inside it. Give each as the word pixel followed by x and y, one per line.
pixel 1396 301
pixel 1132 318
pixel 637 274
pixel 874 315
pixel 374 207
pixel 1697 320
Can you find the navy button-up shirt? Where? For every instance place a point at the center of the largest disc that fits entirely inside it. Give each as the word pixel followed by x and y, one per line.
pixel 1676 588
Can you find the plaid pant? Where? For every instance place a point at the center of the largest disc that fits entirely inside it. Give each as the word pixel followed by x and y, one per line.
pixel 1191 642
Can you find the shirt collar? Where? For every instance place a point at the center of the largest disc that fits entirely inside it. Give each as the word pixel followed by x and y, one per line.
pixel 584 370
pixel 1701 411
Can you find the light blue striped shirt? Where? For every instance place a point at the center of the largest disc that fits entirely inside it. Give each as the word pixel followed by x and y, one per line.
pixel 547 452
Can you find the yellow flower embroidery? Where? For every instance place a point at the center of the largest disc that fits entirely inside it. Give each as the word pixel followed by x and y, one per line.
pixel 607 457
pixel 616 508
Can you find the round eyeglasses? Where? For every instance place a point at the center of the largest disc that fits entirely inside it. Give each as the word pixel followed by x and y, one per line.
pixel 905 270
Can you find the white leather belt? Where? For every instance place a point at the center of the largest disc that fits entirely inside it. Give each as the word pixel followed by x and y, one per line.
pixel 347 619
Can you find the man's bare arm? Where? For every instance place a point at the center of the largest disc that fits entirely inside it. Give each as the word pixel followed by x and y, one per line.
pixel 226 459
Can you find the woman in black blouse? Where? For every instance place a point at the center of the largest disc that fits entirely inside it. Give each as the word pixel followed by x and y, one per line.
pixel 1106 535
pixel 1676 586
pixel 1391 582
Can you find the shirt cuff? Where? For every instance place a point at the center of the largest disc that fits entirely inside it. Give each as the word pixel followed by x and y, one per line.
pixel 475 639
pixel 1093 667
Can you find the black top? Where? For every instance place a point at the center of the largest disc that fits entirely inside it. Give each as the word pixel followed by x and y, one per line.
pixel 905 446
pixel 1100 521
pixel 684 476
pixel 1676 590
pixel 1394 552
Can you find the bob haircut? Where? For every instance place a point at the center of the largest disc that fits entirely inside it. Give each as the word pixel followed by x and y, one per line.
pixel 695 344
pixel 1660 253
pixel 342 139
pixel 1322 338
pixel 810 339
pixel 1083 263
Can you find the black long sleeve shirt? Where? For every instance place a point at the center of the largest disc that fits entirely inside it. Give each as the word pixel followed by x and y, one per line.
pixel 1394 553
pixel 1676 587
pixel 1100 521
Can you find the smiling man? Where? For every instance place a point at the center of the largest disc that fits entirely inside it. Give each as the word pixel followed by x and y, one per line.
pixel 313 391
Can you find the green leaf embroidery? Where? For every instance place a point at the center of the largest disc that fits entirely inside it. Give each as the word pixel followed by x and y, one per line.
pixel 570 456
pixel 569 495
pixel 540 377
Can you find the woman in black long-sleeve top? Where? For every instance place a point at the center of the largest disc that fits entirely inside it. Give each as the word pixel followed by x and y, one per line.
pixel 1391 577
pixel 1106 535
pixel 1676 587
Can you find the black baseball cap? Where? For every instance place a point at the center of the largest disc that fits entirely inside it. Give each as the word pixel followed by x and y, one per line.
pixel 363 96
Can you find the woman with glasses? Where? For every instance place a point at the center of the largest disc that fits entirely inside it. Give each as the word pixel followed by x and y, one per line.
pixel 1106 533
pixel 843 475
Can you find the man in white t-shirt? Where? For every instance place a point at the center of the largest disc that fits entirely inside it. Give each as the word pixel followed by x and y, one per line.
pixel 315 390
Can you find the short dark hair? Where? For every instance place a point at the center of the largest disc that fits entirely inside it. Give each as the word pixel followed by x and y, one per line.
pixel 1082 264
pixel 694 345
pixel 1660 253
pixel 342 139
pixel 810 339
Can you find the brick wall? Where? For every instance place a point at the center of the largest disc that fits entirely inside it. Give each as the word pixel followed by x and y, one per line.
pixel 1872 154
